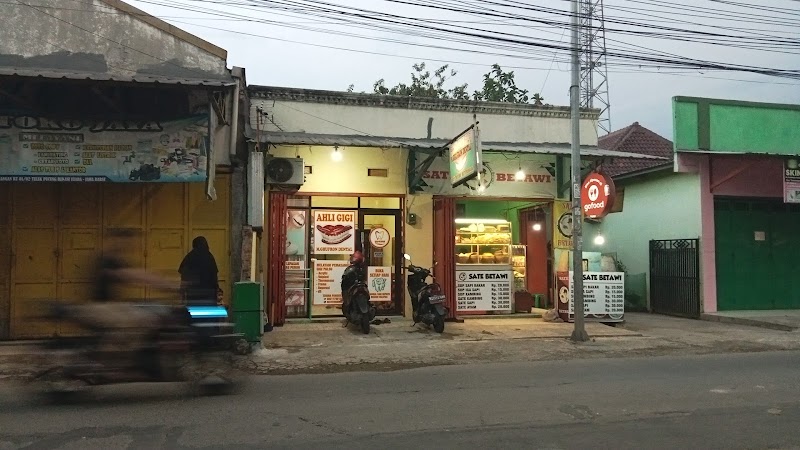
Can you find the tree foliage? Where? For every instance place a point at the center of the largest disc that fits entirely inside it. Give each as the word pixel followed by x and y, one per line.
pixel 498 86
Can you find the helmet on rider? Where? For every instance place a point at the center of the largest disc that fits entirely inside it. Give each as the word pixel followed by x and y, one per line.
pixel 357 257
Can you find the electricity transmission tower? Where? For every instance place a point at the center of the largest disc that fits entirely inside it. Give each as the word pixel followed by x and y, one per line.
pixel 594 77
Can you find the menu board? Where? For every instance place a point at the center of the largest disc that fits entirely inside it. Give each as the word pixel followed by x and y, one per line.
pixel 483 290
pixel 603 294
pixel 328 282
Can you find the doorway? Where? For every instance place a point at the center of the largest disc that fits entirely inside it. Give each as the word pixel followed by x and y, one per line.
pixel 381 243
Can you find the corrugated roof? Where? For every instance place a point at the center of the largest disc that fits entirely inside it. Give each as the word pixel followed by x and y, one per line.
pixel 286 138
pixel 95 76
pixel 635 139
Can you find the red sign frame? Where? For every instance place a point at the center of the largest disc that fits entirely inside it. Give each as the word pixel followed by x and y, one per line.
pixel 597 195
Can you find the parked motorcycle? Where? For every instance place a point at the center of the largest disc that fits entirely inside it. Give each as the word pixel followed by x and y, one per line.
pixel 427 300
pixel 356 306
pixel 191 344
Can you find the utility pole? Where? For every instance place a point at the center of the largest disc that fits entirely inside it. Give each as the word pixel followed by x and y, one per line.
pixel 579 333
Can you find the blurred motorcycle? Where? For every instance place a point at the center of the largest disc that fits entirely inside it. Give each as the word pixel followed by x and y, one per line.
pixel 191 344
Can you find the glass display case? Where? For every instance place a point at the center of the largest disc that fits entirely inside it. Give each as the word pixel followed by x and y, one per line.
pixel 483 241
pixel 519 263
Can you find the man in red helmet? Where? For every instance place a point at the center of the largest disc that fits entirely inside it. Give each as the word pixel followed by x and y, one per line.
pixel 354 272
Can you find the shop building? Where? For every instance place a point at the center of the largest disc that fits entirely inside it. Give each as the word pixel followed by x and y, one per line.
pixel 376 177
pixel 131 126
pixel 719 226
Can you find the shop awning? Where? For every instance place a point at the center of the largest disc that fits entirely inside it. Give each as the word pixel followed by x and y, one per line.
pixel 329 140
pixel 105 76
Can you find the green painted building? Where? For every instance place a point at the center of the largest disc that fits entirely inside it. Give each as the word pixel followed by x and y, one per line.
pixel 727 189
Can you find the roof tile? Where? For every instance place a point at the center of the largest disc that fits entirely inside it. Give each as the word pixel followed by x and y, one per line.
pixel 634 139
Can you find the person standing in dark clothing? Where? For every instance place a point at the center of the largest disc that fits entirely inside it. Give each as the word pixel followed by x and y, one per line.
pixel 199 274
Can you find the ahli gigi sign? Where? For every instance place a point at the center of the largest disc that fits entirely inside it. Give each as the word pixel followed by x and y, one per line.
pixel 334 232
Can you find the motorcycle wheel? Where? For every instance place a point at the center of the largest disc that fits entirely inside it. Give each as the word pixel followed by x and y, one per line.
pixel 438 324
pixel 54 387
pixel 365 323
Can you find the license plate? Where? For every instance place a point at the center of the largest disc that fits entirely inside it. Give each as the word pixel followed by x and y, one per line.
pixel 436 299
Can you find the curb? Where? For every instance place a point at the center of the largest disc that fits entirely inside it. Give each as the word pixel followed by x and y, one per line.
pixel 747 322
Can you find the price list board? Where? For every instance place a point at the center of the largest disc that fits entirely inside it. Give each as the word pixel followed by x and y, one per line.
pixel 483 290
pixel 603 294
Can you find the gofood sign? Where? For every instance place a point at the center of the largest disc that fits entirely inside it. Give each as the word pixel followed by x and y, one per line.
pixel 465 156
pixel 597 195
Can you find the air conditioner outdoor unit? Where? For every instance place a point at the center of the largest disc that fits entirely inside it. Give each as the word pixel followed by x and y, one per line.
pixel 284 171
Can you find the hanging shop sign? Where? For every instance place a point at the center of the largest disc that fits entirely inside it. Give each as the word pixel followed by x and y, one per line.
pixel 334 232
pixel 379 237
pixel 791 181
pixel 603 296
pixel 379 282
pixel 483 290
pixel 597 195
pixel 327 281
pixel 465 156
pixel 498 177
pixel 42 149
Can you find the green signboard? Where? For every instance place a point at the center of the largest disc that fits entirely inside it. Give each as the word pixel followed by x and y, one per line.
pixel 465 156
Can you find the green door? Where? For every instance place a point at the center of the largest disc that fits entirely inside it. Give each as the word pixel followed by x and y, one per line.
pixel 756 253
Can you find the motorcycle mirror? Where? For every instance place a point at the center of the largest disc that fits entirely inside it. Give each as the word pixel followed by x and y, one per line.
pixel 407 256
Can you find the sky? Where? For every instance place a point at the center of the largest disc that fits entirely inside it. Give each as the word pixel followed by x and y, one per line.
pixel 292 43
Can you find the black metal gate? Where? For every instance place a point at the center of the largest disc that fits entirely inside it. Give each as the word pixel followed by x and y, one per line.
pixel 675 277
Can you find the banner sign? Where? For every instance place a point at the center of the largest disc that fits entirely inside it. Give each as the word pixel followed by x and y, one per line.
pixel 597 195
pixel 562 224
pixel 498 177
pixel 791 181
pixel 41 149
pixel 465 156
pixel 334 232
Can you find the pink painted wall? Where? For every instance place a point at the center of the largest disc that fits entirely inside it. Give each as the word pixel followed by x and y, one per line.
pixel 760 177
pixel 756 177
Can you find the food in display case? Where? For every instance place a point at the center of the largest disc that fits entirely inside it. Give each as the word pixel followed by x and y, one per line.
pixel 483 242
pixel 519 263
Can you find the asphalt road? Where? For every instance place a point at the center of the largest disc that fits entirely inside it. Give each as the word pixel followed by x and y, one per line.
pixel 698 402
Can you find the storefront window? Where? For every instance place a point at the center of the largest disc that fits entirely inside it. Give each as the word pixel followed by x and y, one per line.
pixel 502 255
pixel 320 240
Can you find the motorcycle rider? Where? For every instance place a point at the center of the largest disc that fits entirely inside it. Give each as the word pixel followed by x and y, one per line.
pixel 123 326
pixel 356 271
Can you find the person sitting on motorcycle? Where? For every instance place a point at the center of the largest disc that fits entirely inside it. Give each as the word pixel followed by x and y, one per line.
pixel 353 273
pixel 123 326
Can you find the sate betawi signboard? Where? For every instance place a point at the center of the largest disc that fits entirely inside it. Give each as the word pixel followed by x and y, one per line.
pixel 465 156
pixel 498 177
pixel 597 195
pixel 483 290
pixel 334 232
pixel 603 296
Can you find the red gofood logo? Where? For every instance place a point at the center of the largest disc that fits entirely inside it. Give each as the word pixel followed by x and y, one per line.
pixel 597 195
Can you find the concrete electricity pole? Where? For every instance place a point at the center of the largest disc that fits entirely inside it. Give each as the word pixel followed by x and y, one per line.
pixel 579 333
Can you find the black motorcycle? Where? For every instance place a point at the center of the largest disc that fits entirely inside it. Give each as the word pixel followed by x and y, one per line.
pixel 427 300
pixel 356 306
pixel 191 344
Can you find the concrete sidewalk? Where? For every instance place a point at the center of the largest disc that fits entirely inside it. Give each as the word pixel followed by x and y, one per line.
pixel 782 320
pixel 328 347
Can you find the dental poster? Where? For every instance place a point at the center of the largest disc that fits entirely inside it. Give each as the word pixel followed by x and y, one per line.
pixel 334 232
pixel 328 281
pixel 379 282
pixel 295 234
pixel 42 149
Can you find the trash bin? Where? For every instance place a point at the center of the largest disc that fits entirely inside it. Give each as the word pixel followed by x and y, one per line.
pixel 538 300
pixel 248 311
